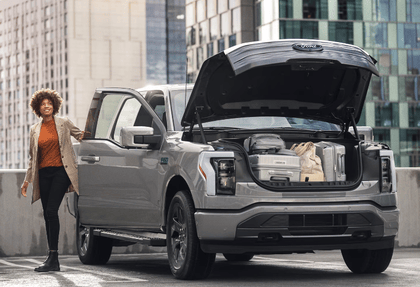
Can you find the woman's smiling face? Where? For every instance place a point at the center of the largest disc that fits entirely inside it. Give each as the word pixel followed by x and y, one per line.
pixel 46 108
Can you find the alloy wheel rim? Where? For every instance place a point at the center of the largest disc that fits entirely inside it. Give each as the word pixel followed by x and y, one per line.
pixel 84 236
pixel 179 238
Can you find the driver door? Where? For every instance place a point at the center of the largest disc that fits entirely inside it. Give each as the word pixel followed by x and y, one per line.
pixel 119 185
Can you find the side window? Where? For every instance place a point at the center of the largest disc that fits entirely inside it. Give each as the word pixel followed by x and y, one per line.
pixel 116 111
pixel 127 116
pixel 108 112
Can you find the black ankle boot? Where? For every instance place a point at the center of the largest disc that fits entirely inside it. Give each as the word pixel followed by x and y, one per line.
pixel 51 264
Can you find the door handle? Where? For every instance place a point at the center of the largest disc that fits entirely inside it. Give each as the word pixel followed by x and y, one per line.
pixel 90 158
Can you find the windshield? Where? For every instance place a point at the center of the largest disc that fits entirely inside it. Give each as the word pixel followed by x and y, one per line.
pixel 179 100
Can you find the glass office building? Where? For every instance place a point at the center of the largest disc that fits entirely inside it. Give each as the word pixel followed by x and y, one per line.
pixel 389 30
pixel 165 41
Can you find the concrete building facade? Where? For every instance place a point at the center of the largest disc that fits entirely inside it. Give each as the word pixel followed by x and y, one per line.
pixel 75 46
pixel 387 29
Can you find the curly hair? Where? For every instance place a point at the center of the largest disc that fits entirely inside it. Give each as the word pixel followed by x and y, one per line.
pixel 43 94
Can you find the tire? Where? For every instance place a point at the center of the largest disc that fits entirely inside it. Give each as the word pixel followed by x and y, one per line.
pixel 238 257
pixel 186 259
pixel 367 261
pixel 92 250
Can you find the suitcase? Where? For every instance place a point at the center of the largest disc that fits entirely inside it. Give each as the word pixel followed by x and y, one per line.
pixel 273 167
pixel 264 143
pixel 332 156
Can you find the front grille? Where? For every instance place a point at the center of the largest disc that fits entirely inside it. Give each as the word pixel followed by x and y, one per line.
pixel 317 224
pixel 307 224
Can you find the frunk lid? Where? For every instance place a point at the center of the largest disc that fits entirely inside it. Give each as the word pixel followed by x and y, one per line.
pixel 313 79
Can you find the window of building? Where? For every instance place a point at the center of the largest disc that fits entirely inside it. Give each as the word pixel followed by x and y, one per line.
pixel 382 135
pixel 387 61
pixel 222 6
pixel 341 32
pixel 285 9
pixel 408 89
pixel 214 28
pixel 190 14
pixel 191 35
pixel 413 10
pixel 258 17
pixel 211 8
pixel 378 89
pixel 224 24
pixel 298 29
pixel 375 35
pixel 413 61
pixel 210 49
pixel 315 9
pixel 408 35
pixel 350 10
pixel 200 57
pixel 384 10
pixel 202 31
pixel 201 10
pixel 236 20
pixel 386 114
pixel 414 115
pixel 410 144
pixel 232 40
pixel 221 45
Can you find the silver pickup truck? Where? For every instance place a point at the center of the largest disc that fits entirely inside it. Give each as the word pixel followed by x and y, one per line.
pixel 170 166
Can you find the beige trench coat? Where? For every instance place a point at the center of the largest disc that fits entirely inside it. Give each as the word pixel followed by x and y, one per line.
pixel 65 128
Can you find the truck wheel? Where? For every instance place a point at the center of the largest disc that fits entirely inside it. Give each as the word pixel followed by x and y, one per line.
pixel 238 257
pixel 367 261
pixel 92 250
pixel 186 259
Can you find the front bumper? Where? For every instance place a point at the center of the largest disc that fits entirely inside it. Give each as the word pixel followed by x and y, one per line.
pixel 275 228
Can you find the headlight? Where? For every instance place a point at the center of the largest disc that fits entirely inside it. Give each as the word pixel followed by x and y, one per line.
pixel 225 175
pixel 386 182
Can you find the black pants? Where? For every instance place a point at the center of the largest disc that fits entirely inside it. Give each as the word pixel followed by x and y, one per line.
pixel 53 184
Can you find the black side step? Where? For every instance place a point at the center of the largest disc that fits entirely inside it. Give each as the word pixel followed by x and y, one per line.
pixel 159 240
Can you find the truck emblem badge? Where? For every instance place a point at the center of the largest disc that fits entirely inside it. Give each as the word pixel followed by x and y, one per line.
pixel 164 160
pixel 307 47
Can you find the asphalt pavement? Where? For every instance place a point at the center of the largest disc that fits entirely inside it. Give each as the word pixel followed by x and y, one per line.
pixel 324 268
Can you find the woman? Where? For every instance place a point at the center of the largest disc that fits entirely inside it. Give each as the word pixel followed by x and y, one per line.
pixel 52 165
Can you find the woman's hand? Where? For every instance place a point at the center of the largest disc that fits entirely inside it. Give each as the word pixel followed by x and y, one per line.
pixel 83 135
pixel 24 188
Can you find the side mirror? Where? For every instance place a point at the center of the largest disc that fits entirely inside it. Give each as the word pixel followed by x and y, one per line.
pixel 139 137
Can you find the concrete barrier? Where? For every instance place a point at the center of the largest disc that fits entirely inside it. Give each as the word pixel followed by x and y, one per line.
pixel 22 228
pixel 408 188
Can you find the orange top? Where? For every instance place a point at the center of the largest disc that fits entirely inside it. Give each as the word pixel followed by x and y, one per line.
pixel 48 146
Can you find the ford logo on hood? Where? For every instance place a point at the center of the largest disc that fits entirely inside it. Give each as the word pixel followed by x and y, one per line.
pixel 307 47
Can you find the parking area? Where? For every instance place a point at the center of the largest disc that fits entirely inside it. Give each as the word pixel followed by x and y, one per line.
pixel 325 268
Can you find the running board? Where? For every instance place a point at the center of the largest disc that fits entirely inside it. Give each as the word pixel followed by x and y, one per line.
pixel 159 240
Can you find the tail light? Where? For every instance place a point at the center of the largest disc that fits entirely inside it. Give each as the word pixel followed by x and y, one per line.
pixel 386 178
pixel 225 176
